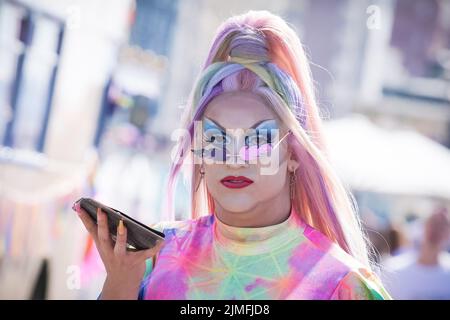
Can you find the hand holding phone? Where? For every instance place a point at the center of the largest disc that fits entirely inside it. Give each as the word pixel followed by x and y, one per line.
pixel 139 237
pixel 125 269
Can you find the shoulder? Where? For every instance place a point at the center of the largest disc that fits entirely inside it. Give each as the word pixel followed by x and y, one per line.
pixel 360 284
pixel 177 229
pixel 331 255
pixel 351 279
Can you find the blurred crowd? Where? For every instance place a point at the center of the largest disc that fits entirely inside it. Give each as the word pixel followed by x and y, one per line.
pixel 414 257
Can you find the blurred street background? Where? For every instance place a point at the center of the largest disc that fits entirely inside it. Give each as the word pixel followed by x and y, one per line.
pixel 91 91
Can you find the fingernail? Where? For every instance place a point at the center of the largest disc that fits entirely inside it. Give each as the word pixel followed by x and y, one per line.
pixel 121 228
pixel 76 206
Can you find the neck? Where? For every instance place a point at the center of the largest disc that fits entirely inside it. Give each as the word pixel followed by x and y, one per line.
pixel 265 213
pixel 428 255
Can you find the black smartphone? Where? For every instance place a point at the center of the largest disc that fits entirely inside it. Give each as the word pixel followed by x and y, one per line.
pixel 139 236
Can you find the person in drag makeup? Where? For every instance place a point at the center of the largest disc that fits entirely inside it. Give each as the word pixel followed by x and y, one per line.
pixel 269 217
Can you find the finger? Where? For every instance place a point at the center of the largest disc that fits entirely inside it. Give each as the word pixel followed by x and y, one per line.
pixel 103 231
pixel 89 224
pixel 92 229
pixel 120 248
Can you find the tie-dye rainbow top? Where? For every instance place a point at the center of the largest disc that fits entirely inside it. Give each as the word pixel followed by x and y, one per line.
pixel 205 258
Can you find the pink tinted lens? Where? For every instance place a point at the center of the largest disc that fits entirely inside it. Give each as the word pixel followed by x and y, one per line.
pixel 254 152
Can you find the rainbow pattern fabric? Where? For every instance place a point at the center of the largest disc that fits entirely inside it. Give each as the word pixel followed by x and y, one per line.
pixel 205 258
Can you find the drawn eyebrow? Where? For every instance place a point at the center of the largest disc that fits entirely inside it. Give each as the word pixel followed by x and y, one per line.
pixel 259 123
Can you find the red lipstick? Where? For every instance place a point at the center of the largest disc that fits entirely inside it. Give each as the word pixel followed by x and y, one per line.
pixel 233 182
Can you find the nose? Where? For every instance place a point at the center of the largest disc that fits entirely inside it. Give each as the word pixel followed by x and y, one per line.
pixel 234 161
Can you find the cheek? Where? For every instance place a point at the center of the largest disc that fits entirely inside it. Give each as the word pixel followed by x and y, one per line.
pixel 269 185
pixel 213 174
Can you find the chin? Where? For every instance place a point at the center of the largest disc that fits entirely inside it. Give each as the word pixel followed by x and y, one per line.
pixel 237 203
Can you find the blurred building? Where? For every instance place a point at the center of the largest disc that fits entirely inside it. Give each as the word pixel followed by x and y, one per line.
pixel 55 58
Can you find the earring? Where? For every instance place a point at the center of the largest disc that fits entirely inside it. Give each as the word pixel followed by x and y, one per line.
pixel 292 181
pixel 202 174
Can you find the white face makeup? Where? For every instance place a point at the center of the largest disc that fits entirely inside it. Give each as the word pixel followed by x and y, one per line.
pixel 233 123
